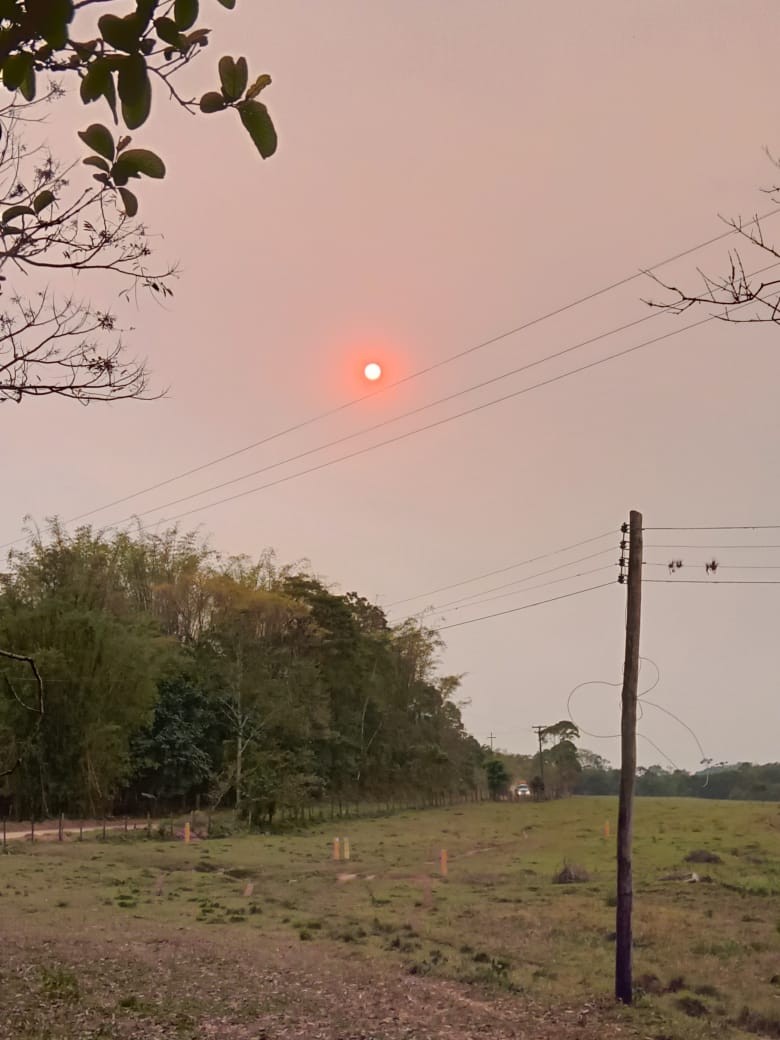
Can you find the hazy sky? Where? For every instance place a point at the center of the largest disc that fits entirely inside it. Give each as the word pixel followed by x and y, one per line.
pixel 449 170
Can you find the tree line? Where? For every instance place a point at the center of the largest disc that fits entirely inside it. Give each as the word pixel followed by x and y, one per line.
pixel 743 781
pixel 171 676
pixel 570 770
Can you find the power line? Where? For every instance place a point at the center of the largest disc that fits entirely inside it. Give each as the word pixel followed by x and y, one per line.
pixel 723 566
pixel 433 425
pixel 710 581
pixel 531 588
pixel 642 272
pixel 743 527
pixel 671 545
pixel 385 422
pixel 529 577
pixel 501 570
pixel 527 606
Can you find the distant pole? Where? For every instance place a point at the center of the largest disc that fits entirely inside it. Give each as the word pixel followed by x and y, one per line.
pixel 491 738
pixel 539 732
pixel 625 891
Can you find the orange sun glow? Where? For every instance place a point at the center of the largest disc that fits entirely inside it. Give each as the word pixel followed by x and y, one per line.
pixel 372 371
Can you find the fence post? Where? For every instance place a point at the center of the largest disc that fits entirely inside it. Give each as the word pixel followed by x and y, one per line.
pixel 81 830
pixel 32 830
pixel 5 841
pixel 59 828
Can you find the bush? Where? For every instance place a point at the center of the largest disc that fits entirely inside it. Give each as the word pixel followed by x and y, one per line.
pixel 571 874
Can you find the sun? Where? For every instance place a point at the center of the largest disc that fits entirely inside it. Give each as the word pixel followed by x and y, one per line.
pixel 372 371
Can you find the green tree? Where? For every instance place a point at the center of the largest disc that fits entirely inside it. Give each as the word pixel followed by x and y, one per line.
pixel 63 605
pixel 497 778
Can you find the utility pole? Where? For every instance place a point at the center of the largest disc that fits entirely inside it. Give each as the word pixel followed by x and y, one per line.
pixel 491 738
pixel 540 734
pixel 625 889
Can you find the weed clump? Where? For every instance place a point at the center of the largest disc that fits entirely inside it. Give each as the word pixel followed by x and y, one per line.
pixel 571 874
pixel 703 856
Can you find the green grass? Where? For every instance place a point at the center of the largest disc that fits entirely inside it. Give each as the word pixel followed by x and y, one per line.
pixel 706 952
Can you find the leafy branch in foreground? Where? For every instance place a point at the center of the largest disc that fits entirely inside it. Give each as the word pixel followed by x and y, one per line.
pixel 56 342
pixel 118 59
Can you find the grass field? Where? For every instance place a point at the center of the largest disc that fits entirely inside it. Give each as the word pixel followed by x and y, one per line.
pixel 266 936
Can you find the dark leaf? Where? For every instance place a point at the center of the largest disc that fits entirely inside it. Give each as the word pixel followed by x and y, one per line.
pixel 99 139
pixel 18 74
pixel 259 84
pixel 137 161
pixel 98 82
pixel 145 11
pixel 185 13
pixel 84 50
pixel 168 32
pixel 102 177
pixel 233 76
pixel 42 200
pixel 95 160
pixel 212 102
pixel 135 91
pixel 254 116
pixel 17 211
pixel 199 37
pixel 122 143
pixel 230 4
pixel 123 34
pixel 51 19
pixel 130 201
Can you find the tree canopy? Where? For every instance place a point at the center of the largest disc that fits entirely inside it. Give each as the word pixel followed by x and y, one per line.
pixel 173 673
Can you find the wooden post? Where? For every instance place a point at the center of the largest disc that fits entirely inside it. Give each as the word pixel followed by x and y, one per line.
pixel 32 830
pixel 81 830
pixel 125 825
pixel 104 828
pixel 148 824
pixel 337 848
pixel 625 891
pixel 5 839
pixel 187 832
pixel 345 846
pixel 60 826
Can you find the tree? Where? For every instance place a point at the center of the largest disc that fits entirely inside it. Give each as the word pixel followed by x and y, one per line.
pixel 63 605
pixel 52 341
pixel 744 293
pixel 563 766
pixel 497 778
pixel 123 61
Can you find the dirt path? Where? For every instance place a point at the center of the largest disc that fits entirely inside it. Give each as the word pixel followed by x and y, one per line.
pixel 241 987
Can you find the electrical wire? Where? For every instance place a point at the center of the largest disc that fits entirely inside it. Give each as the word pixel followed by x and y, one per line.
pixel 710 581
pixel 429 426
pixel 420 429
pixel 671 545
pixel 519 592
pixel 588 297
pixel 528 577
pixel 721 566
pixel 641 700
pixel 501 570
pixel 743 527
pixel 526 606
pixel 374 427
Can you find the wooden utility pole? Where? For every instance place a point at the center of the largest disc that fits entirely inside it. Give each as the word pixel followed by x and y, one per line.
pixel 625 889
pixel 540 734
